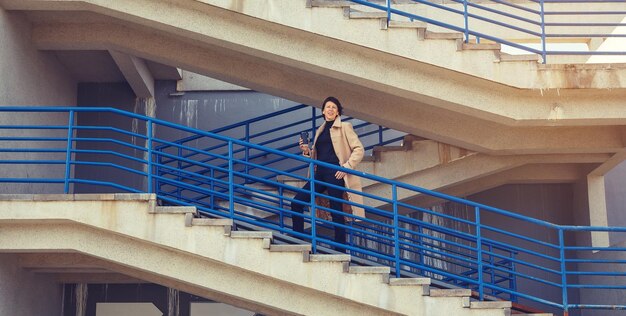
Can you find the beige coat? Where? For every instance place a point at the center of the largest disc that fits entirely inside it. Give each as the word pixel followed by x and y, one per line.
pixel 349 150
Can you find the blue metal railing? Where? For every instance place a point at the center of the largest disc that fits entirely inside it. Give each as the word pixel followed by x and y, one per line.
pixel 534 22
pixel 491 250
pixel 278 136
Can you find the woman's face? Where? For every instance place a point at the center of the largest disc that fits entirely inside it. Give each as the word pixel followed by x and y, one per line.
pixel 330 111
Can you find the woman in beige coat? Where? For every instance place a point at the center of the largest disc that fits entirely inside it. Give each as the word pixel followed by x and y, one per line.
pixel 335 143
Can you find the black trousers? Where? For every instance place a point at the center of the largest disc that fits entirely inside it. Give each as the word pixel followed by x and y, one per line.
pixel 327 177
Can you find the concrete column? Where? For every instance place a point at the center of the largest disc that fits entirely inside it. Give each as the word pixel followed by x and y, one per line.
pixel 598 215
pixel 597 209
pixel 173 301
pixel 81 299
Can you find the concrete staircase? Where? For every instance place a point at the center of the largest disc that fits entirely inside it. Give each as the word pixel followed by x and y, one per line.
pixel 128 234
pixel 413 80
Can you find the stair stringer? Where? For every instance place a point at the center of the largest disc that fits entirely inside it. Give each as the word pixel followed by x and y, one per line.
pixel 125 231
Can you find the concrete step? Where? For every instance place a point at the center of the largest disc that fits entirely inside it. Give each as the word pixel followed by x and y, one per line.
pixel 481 46
pixel 450 292
pixel 367 270
pixel 175 210
pixel 328 258
pixel 356 14
pixel 424 283
pixel 407 24
pixel 212 222
pixel 516 58
pixel 225 222
pixel 328 3
pixel 490 304
pixel 290 248
pixel 251 234
pixel 409 281
pixel 443 35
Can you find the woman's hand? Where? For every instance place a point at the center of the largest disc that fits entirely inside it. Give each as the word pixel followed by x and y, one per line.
pixel 304 147
pixel 339 175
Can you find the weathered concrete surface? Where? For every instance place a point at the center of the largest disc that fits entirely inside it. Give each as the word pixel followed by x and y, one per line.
pixel 129 239
pixel 459 98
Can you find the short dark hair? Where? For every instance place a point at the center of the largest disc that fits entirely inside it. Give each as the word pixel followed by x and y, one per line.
pixel 333 100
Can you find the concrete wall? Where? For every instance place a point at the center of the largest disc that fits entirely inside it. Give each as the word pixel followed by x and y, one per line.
pixel 203 110
pixel 604 296
pixel 120 96
pixel 26 294
pixel 31 77
pixel 547 202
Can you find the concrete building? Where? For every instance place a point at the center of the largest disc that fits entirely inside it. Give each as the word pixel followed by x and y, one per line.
pixel 545 141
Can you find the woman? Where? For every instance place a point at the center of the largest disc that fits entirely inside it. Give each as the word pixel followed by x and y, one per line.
pixel 335 143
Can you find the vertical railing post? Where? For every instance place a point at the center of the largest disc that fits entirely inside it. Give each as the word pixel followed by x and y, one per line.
pixel 179 177
pixel 312 122
pixel 396 228
pixel 231 180
pixel 68 152
pixel 247 152
pixel 212 186
pixel 351 236
pixel 513 278
pixel 388 12
pixel 380 135
pixel 563 270
pixel 313 207
pixel 149 140
pixel 281 204
pixel 158 172
pixel 422 251
pixel 479 255
pixel 466 20
pixel 492 270
pixel 543 31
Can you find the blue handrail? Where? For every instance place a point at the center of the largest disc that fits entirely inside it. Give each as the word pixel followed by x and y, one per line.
pixel 538 27
pixel 302 117
pixel 482 256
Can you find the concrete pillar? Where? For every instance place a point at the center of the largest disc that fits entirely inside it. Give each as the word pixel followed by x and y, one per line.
pixel 81 299
pixel 597 209
pixel 173 302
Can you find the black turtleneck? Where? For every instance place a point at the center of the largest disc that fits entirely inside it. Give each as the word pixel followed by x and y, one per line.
pixel 325 149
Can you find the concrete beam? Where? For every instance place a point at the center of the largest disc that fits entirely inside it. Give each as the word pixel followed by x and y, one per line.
pixel 72 267
pixel 197 82
pixel 99 278
pixel 532 173
pixel 473 168
pixel 136 73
